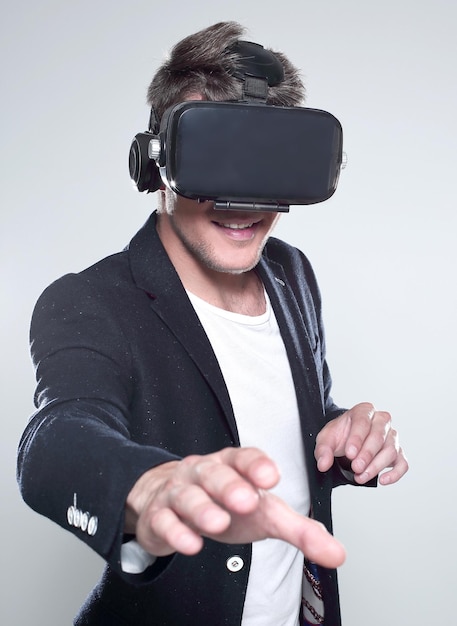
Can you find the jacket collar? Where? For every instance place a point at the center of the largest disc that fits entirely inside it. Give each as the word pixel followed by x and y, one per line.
pixel 298 337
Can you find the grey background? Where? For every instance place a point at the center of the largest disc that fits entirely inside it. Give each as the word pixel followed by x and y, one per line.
pixel 74 76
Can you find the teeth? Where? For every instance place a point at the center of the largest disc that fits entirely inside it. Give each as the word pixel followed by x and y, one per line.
pixel 237 226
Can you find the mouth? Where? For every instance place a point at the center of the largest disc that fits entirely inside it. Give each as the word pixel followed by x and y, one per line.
pixel 235 226
pixel 240 230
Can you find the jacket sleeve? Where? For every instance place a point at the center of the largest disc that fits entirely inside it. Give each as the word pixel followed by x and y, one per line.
pixel 76 461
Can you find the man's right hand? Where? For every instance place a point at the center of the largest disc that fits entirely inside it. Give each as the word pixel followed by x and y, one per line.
pixel 224 496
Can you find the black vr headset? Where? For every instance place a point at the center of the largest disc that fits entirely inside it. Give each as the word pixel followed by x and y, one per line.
pixel 243 155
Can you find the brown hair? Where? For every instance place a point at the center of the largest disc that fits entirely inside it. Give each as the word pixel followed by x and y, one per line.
pixel 202 63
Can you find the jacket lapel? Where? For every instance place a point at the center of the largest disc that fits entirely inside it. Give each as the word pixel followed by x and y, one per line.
pixel 299 341
pixel 155 275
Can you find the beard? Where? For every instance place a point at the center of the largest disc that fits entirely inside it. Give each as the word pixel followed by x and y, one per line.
pixel 206 254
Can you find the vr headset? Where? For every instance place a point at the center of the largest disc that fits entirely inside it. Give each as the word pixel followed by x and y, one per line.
pixel 244 155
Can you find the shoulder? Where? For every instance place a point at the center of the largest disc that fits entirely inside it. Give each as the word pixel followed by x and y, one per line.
pixel 111 276
pixel 83 307
pixel 89 285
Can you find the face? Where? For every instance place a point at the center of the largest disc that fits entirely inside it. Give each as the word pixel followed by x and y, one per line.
pixel 196 236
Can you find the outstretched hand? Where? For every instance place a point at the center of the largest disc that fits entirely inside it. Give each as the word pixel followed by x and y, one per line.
pixel 223 496
pixel 366 438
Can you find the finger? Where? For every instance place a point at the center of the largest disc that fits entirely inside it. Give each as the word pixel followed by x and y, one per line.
pixel 324 455
pixel 390 456
pixel 224 485
pixel 399 469
pixel 320 547
pixel 309 536
pixel 384 459
pixel 331 440
pixel 254 465
pixel 361 417
pixel 372 435
pixel 163 533
pixel 196 508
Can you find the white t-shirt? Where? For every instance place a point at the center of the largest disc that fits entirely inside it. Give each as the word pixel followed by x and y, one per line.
pixel 253 360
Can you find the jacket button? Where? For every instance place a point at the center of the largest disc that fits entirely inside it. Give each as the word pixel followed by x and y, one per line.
pixel 92 526
pixel 235 563
pixel 84 521
pixel 71 515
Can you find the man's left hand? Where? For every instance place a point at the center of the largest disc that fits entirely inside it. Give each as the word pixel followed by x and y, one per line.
pixel 366 438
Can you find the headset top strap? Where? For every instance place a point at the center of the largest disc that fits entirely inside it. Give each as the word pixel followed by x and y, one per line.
pixel 255 60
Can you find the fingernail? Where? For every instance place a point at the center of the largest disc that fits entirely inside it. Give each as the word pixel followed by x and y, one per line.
pixel 352 451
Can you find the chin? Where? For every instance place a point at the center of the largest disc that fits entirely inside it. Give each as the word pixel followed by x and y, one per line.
pixel 236 272
pixel 227 268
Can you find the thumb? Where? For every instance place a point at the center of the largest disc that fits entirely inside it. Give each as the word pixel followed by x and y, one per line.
pixel 324 455
pixel 309 536
pixel 320 547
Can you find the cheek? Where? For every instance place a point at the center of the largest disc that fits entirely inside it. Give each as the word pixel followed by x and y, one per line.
pixel 187 226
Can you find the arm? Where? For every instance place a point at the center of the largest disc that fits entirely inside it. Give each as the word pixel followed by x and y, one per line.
pixel 78 444
pixel 80 449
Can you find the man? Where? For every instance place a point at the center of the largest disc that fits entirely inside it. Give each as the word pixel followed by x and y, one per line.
pixel 176 381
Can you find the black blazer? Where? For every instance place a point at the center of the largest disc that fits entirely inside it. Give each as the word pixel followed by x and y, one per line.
pixel 127 379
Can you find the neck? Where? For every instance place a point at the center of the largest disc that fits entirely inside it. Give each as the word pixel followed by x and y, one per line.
pixel 239 292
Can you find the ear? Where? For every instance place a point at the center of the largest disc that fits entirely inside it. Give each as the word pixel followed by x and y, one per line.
pixel 143 169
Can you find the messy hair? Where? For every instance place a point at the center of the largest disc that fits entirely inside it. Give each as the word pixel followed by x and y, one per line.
pixel 203 63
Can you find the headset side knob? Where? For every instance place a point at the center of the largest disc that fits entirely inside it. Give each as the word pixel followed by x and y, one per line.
pixel 154 149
